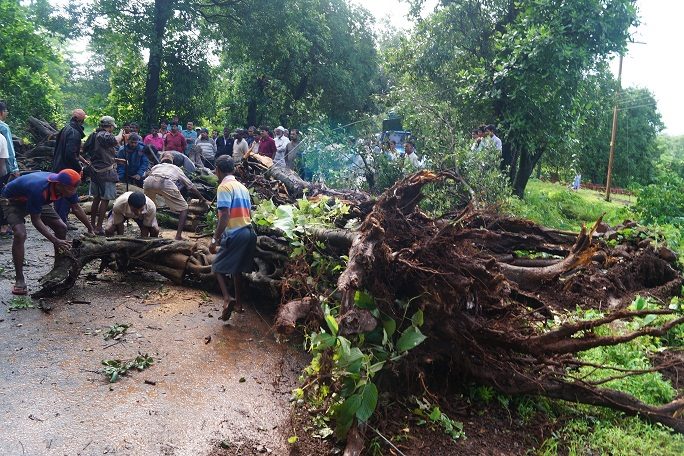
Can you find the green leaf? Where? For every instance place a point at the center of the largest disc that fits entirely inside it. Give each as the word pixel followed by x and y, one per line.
pixel 390 326
pixel 292 440
pixel 332 324
pixel 640 303
pixel 417 319
pixel 436 414
pixel 648 319
pixel 352 361
pixel 369 400
pixel 411 338
pixel 322 341
pixel 364 300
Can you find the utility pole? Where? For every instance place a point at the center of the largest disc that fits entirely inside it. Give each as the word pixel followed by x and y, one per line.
pixel 613 134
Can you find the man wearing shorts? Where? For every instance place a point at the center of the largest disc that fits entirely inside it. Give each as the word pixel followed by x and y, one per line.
pixel 166 180
pixel 33 194
pixel 234 234
pixel 103 174
pixel 135 206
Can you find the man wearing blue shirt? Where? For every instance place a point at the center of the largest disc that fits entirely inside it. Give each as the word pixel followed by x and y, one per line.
pixel 12 167
pixel 33 194
pixel 137 162
pixel 190 137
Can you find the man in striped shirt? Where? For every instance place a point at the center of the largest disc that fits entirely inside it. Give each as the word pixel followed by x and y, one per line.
pixel 234 234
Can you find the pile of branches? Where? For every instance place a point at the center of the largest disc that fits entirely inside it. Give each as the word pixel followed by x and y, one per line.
pixel 492 316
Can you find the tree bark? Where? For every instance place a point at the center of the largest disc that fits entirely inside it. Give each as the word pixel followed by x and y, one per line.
pixel 526 165
pixel 162 12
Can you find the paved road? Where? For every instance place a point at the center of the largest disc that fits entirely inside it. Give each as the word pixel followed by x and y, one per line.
pixel 53 400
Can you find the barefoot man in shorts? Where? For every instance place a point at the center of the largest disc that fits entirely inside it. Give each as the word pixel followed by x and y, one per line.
pixel 234 234
pixel 33 194
pixel 166 180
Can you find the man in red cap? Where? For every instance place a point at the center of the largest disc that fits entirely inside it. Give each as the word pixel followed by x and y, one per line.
pixel 33 194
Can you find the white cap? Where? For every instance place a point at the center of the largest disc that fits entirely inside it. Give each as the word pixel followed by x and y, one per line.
pixel 280 127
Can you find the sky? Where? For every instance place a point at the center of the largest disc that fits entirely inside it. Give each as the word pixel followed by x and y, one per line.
pixel 657 65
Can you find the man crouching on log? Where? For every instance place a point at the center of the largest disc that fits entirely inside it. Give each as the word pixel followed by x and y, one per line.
pixel 234 234
pixel 33 194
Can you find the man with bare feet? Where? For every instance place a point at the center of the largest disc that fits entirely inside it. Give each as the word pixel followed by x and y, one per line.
pixel 234 238
pixel 33 194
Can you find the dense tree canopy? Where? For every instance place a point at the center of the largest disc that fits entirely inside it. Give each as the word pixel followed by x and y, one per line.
pixel 518 64
pixel 31 67
pixel 537 69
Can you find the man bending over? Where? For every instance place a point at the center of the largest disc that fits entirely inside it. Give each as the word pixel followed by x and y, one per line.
pixel 135 206
pixel 33 194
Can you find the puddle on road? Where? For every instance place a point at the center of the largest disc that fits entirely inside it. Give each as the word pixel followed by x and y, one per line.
pixel 53 400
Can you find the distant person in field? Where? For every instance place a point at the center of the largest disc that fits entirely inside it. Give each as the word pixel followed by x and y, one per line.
pixel 67 154
pixel 166 180
pixel 476 136
pixel 490 133
pixel 234 238
pixel 33 194
pixel 267 146
pixel 134 163
pixel 137 207
pixel 410 155
pixel 281 142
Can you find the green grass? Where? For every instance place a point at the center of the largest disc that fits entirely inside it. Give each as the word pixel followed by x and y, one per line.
pixel 556 206
pixel 613 435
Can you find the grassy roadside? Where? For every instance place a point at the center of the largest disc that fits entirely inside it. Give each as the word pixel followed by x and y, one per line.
pixel 594 430
pixel 556 206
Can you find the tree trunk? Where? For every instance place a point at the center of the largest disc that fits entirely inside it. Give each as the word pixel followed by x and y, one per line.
pixel 526 165
pixel 162 12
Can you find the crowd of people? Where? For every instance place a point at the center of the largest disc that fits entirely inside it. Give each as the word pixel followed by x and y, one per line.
pixel 155 164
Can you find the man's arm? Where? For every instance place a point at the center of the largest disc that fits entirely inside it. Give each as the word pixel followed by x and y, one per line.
pixel 144 165
pixel 81 215
pixel 49 235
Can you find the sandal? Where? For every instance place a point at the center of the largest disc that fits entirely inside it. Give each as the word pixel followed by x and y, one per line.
pixel 227 311
pixel 19 290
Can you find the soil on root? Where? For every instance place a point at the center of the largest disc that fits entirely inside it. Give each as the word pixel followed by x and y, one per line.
pixel 674 358
pixel 489 430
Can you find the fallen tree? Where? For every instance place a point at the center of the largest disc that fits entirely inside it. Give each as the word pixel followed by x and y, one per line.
pixel 491 315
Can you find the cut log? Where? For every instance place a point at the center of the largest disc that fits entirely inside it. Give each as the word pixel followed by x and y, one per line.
pixel 41 130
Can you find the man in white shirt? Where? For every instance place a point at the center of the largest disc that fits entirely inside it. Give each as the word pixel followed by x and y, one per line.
pixel 135 206
pixel 208 147
pixel 240 146
pixel 490 132
pixel 281 142
pixel 4 156
pixel 410 156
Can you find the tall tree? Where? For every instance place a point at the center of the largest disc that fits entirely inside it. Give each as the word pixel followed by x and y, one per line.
pixel 517 63
pixel 31 68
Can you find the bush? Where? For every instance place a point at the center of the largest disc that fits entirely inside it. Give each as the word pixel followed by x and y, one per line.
pixel 662 202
